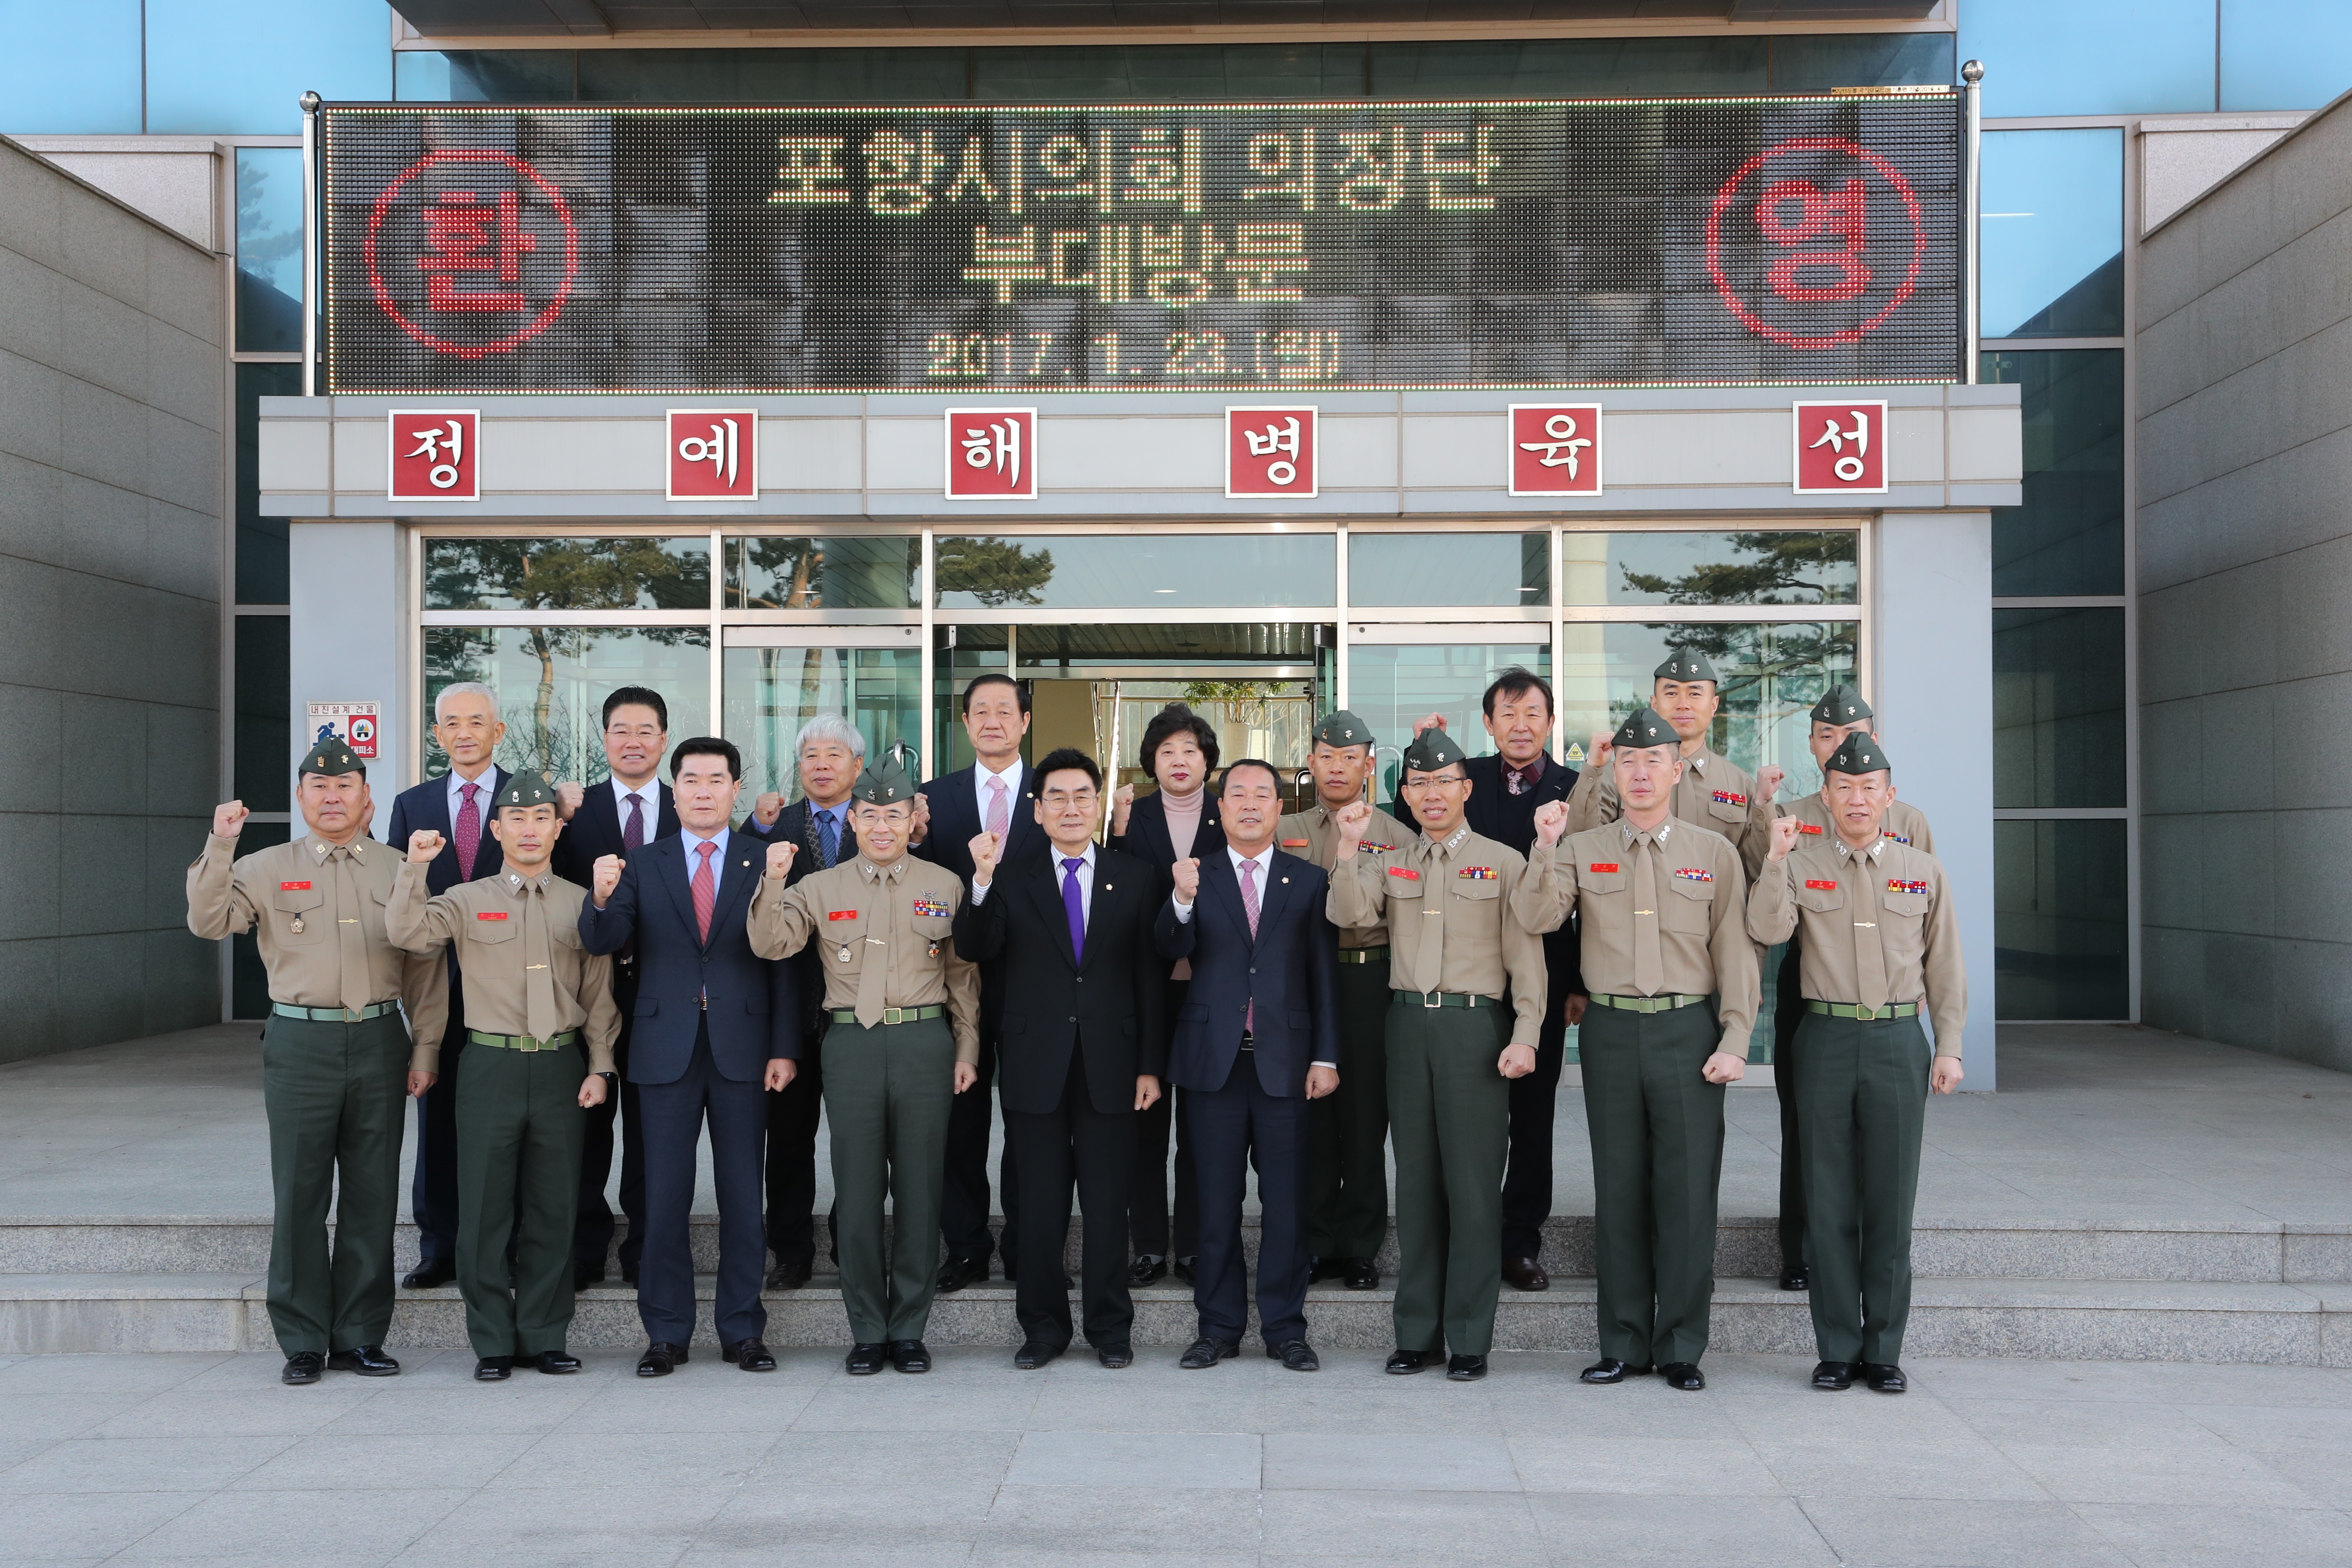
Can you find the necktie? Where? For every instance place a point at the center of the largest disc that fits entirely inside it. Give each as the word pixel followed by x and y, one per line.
pixel 1249 908
pixel 633 832
pixel 828 834
pixel 351 937
pixel 874 975
pixel 1869 948
pixel 999 813
pixel 1074 905
pixel 539 1015
pixel 469 831
pixel 1649 962
pixel 706 889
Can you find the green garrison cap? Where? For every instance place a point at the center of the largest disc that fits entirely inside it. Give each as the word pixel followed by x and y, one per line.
pixel 1431 750
pixel 1644 730
pixel 1841 705
pixel 331 757
pixel 1859 754
pixel 883 784
pixel 526 790
pixel 1343 729
pixel 1686 663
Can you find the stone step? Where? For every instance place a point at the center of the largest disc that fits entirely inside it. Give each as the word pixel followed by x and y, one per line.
pixel 2065 1318
pixel 2238 1252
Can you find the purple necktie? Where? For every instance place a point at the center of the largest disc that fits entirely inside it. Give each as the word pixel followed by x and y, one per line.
pixel 1074 903
pixel 633 832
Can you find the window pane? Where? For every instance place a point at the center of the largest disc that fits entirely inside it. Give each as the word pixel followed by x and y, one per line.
pixel 1392 685
pixel 1555 68
pixel 249 979
pixel 567 574
pixel 772 692
pixel 552 683
pixel 69 69
pixel 1168 74
pixel 2091 57
pixel 2284 54
pixel 1714 568
pixel 1862 59
pixel 2058 708
pixel 772 76
pixel 1504 570
pixel 2068 537
pixel 483 76
pixel 236 67
pixel 260 541
pixel 265 713
pixel 825 573
pixel 2053 233
pixel 268 248
pixel 1170 572
pixel 2059 945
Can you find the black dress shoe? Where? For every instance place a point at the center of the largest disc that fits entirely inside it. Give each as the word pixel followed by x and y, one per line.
pixel 1207 1352
pixel 788 1276
pixel 303 1366
pixel 1405 1364
pixel 1363 1274
pixel 1034 1355
pixel 1882 1375
pixel 910 1355
pixel 1609 1369
pixel 494 1369
pixel 1118 1357
pixel 1325 1267
pixel 1833 1376
pixel 1149 1270
pixel 1685 1375
pixel 1465 1368
pixel 1796 1279
pixel 1525 1274
pixel 368 1361
pixel 628 1273
pixel 555 1363
pixel 1296 1355
pixel 958 1272
pixel 430 1274
pixel 751 1354
pixel 661 1358
pixel 586 1274
pixel 865 1360
pixel 1183 1269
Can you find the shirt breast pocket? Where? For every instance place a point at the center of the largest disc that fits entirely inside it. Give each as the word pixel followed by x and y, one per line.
pixel 501 927
pixel 1688 906
pixel 1904 911
pixel 1820 900
pixel 300 915
pixel 1401 883
pixel 1590 882
pixel 841 936
pixel 1724 817
pixel 1477 889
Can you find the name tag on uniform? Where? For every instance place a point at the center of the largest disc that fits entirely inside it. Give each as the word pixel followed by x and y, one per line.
pixel 1694 874
pixel 1295 843
pixel 1726 797
pixel 1807 828
pixel 1409 873
pixel 1904 884
pixel 1821 887
pixel 929 908
pixel 841 915
pixel 1607 867
pixel 1477 873
pixel 293 886
pixel 490 914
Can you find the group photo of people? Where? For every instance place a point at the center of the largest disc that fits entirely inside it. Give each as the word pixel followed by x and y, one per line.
pixel 1238 1023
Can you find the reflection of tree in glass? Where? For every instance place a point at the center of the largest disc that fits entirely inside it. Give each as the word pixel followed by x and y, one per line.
pixel 788 570
pixel 1770 674
pixel 1774 568
pixel 995 572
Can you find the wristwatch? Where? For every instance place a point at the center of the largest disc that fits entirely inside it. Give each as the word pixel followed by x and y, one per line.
pixel 610 1076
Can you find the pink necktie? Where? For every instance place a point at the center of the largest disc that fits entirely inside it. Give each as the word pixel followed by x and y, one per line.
pixel 1249 908
pixel 469 831
pixel 998 813
pixel 706 889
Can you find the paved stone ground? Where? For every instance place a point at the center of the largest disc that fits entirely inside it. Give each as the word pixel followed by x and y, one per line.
pixel 2037 1465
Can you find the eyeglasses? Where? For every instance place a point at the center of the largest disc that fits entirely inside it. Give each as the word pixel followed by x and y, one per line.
pixel 1432 783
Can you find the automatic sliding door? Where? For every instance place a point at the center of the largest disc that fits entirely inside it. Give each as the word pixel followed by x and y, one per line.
pixel 776 678
pixel 1398 674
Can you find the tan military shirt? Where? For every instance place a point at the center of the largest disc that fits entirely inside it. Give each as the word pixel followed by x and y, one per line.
pixel 1879 928
pixel 1311 835
pixel 1904 823
pixel 1694 904
pixel 886 936
pixel 317 912
pixel 1452 922
pixel 518 943
pixel 1714 793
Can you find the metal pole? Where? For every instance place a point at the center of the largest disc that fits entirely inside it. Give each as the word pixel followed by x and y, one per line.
pixel 1972 74
pixel 311 101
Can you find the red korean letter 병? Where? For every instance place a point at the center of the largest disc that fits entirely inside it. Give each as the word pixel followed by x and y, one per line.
pixel 1271 452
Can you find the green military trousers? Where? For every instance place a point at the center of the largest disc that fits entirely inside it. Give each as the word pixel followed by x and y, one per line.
pixel 520 1133
pixel 336 1096
pixel 1861 1103
pixel 1656 1127
pixel 1449 1110
pixel 888 1091
pixel 1348 1187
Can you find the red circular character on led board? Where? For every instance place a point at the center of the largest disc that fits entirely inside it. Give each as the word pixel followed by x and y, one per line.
pixel 1812 204
pixel 472 237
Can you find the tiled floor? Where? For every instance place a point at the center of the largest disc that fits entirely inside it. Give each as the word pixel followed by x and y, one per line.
pixel 2015 1464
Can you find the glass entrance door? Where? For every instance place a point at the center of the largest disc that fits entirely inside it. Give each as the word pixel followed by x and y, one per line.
pixel 778 678
pixel 1400 673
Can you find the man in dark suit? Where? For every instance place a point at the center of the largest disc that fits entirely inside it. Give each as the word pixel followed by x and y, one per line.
pixel 627 812
pixel 456 806
pixel 1083 1048
pixel 996 794
pixel 1504 791
pixel 716 1027
pixel 1258 1038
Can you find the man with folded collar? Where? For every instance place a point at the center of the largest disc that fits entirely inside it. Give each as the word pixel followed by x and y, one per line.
pixel 1665 945
pixel 1881 943
pixel 1715 793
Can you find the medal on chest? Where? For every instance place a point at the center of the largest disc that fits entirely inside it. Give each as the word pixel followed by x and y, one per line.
pixel 297 928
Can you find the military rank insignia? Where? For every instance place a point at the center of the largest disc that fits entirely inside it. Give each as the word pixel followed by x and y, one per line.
pixel 1727 797
pixel 1819 886
pixel 930 907
pixel 1694 874
pixel 1907 885
pixel 1477 873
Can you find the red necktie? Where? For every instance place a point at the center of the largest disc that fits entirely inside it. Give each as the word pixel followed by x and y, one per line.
pixel 468 832
pixel 706 889
pixel 1249 908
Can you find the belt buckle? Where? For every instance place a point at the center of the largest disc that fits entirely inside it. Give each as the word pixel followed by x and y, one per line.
pixel 1866 1013
pixel 353 1016
pixel 894 1014
pixel 1432 1000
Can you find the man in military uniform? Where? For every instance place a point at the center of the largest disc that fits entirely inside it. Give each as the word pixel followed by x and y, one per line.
pixel 1881 942
pixel 1348 1192
pixel 894 985
pixel 1715 793
pixel 1840 712
pixel 1666 929
pixel 539 1014
pixel 335 1059
pixel 1459 943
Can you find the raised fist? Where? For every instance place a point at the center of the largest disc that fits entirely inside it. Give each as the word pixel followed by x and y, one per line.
pixel 921 828
pixel 767 808
pixel 1188 879
pixel 986 848
pixel 1768 781
pixel 228 819
pixel 1551 819
pixel 422 844
pixel 1597 750
pixel 780 859
pixel 605 877
pixel 1428 721
pixel 569 798
pixel 1784 837
pixel 1122 801
pixel 1351 819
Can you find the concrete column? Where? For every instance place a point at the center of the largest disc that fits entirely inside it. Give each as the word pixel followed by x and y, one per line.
pixel 349 638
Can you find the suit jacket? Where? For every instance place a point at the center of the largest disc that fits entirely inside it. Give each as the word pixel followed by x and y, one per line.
pixel 1492 812
pixel 755 1007
pixel 427 806
pixel 955 823
pixel 1290 968
pixel 1109 1005
pixel 594 831
pixel 1147 839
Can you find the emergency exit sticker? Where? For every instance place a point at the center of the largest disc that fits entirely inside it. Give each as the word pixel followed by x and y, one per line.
pixel 352 723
